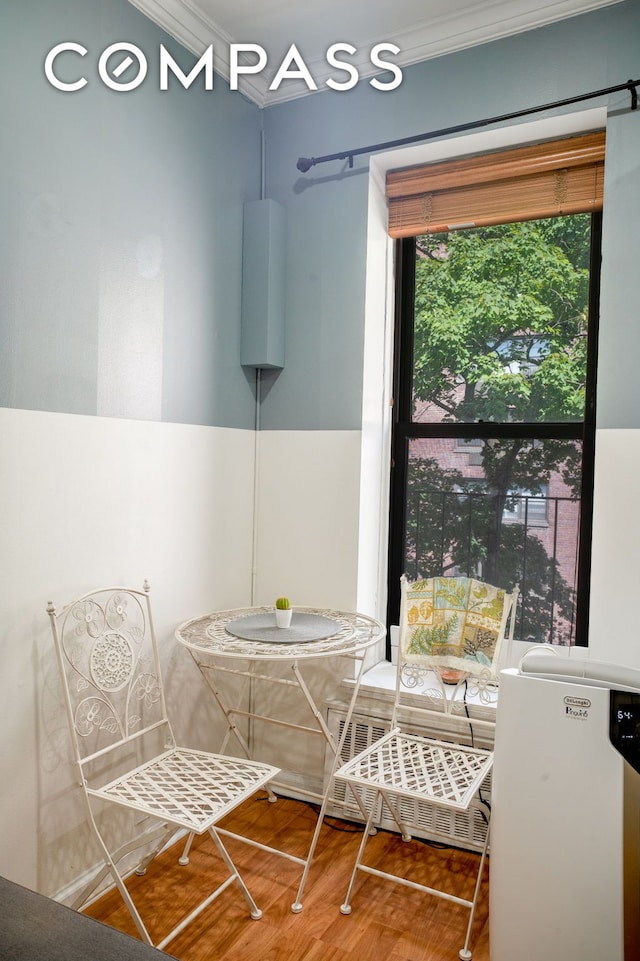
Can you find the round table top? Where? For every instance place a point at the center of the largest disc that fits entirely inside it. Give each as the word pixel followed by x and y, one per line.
pixel 209 634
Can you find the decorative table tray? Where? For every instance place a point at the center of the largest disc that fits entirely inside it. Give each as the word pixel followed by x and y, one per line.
pixel 304 628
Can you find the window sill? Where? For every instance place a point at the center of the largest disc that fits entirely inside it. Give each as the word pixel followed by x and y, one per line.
pixel 380 682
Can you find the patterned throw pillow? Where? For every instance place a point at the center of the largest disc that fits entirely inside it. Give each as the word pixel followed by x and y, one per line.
pixel 454 618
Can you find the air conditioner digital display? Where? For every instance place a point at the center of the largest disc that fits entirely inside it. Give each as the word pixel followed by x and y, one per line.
pixel 624 726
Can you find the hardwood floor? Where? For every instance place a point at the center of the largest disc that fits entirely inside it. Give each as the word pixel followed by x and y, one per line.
pixel 388 922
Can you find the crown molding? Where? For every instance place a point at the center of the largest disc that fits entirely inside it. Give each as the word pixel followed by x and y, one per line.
pixel 183 21
pixel 476 24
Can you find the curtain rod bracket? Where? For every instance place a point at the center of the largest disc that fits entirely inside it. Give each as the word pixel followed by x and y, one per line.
pixel 305 164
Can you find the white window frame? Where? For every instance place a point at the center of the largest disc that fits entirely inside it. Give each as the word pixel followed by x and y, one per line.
pixel 379 325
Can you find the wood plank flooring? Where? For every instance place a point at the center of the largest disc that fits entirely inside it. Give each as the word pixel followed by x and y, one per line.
pixel 387 922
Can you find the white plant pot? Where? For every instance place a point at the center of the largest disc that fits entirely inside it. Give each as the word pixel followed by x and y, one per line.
pixel 283 618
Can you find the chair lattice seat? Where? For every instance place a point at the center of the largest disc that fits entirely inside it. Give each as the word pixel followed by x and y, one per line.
pixel 191 789
pixel 451 633
pixel 415 766
pixel 121 734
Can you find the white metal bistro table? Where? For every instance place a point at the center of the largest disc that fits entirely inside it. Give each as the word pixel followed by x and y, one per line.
pixel 242 641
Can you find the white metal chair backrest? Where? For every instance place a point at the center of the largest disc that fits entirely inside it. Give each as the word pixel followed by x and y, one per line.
pixel 453 634
pixel 108 658
pixel 125 752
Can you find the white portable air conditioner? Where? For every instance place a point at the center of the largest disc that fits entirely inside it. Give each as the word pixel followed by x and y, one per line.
pixel 565 827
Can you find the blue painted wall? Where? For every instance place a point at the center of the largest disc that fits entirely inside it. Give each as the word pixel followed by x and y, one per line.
pixel 120 247
pixel 321 384
pixel 121 235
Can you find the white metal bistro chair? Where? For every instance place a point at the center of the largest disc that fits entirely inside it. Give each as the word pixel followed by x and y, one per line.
pixel 125 750
pixel 451 633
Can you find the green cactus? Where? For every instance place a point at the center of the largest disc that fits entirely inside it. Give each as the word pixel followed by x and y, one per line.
pixel 283 604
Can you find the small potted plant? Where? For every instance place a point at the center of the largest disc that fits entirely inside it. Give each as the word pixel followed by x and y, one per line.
pixel 283 612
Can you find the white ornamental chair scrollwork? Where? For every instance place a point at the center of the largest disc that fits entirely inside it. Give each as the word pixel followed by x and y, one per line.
pixel 452 631
pixel 125 751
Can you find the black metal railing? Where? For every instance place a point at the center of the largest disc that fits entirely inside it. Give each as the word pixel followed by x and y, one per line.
pixel 521 538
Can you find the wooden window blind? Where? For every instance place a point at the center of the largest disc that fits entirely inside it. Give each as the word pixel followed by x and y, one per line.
pixel 524 183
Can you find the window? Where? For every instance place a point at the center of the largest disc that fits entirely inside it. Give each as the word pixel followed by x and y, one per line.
pixel 525 507
pixel 494 411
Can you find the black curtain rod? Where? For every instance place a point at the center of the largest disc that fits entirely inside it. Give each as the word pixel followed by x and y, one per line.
pixel 306 163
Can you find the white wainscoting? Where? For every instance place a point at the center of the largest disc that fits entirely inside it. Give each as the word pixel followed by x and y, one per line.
pixel 90 501
pixel 84 502
pixel 614 630
pixel 307 518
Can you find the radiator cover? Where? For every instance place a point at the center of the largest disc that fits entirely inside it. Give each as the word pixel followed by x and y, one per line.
pixel 461 829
